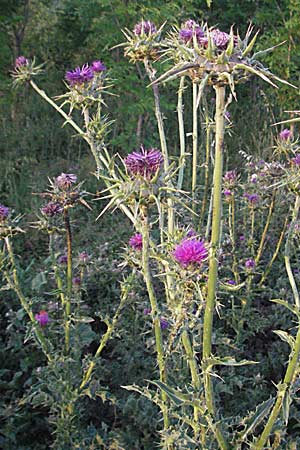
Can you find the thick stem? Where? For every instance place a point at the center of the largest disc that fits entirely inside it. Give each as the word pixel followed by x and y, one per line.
pixel 58 279
pixel 231 218
pixel 206 176
pixel 195 145
pixel 154 310
pixel 180 108
pixel 69 280
pixel 213 253
pixel 25 305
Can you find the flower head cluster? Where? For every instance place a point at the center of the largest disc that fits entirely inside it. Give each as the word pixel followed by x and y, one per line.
pixel 84 74
pixel 21 61
pixel 285 135
pixel 190 252
pixel 190 29
pixel 42 318
pixel 144 163
pixel 136 241
pixel 220 39
pixel 230 177
pixel 252 198
pixel 65 180
pixel 4 213
pixel 144 27
pixel 52 209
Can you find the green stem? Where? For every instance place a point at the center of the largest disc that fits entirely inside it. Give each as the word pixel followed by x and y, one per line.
pixel 206 175
pixel 287 252
pixel 25 305
pixel 58 279
pixel 213 254
pixel 264 234
pixel 69 280
pixel 154 310
pixel 181 132
pixel 195 145
pixel 231 218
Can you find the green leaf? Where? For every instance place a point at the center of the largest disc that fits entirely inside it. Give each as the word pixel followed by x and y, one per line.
pixel 260 413
pixel 284 336
pixel 286 407
pixel 250 46
pixel 179 398
pixel 226 361
pixel 38 281
pixel 287 305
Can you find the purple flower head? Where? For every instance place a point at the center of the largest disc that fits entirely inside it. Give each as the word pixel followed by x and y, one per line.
pixel 83 257
pixel 220 39
pixel 232 282
pixel 190 29
pixel 147 311
pixel 136 241
pixel 52 209
pixel 252 198
pixel 250 264
pixel 98 66
pixel 145 163
pixel 242 238
pixel 164 324
pixel 79 75
pixel 4 212
pixel 285 134
pixel 253 178
pixel 227 193
pixel 190 251
pixel 42 317
pixel 230 176
pixel 191 233
pixel 296 160
pixel 65 180
pixel 62 259
pixel 21 61
pixel 144 27
pixel 76 281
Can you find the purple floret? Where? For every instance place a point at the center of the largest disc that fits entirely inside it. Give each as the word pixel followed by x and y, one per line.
pixel 190 29
pixel 65 180
pixel 190 252
pixel 43 318
pixel 98 66
pixel 285 134
pixel 250 263
pixel 21 61
pixel 4 212
pixel 296 160
pixel 230 176
pixel 220 39
pixel 136 241
pixel 79 75
pixel 144 163
pixel 52 209
pixel 144 27
pixel 252 198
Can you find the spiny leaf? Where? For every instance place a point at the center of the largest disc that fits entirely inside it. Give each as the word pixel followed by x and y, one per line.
pixel 287 305
pixel 250 45
pixel 255 72
pixel 253 420
pixel 284 336
pixel 226 361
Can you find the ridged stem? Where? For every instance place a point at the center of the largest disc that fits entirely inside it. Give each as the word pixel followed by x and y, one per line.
pixel 195 145
pixel 231 218
pixel 206 175
pixel 180 108
pixel 25 305
pixel 154 310
pixel 69 280
pixel 213 255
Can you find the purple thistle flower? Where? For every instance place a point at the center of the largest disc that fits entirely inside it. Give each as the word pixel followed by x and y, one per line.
pixel 83 257
pixel 98 66
pixel 190 29
pixel 4 212
pixel 191 233
pixel 144 27
pixel 79 75
pixel 136 241
pixel 227 116
pixel 250 264
pixel 164 324
pixel 285 134
pixel 52 209
pixel 230 176
pixel 252 198
pixel 62 259
pixel 65 180
pixel 296 160
pixel 146 163
pixel 42 317
pixel 242 238
pixel 253 178
pixel 146 311
pixel 220 38
pixel 232 282
pixel 21 61
pixel 76 281
pixel 190 251
pixel 227 193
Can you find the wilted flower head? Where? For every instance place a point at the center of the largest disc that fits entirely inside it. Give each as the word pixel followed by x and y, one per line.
pixel 83 256
pixel 21 61
pixel 250 263
pixel 42 317
pixel 98 66
pixel 296 160
pixel 145 163
pixel 52 209
pixel 4 212
pixel 144 27
pixel 79 75
pixel 220 38
pixel 190 29
pixel 65 180
pixel 136 241
pixel 285 134
pixel 76 281
pixel 190 252
pixel 252 198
